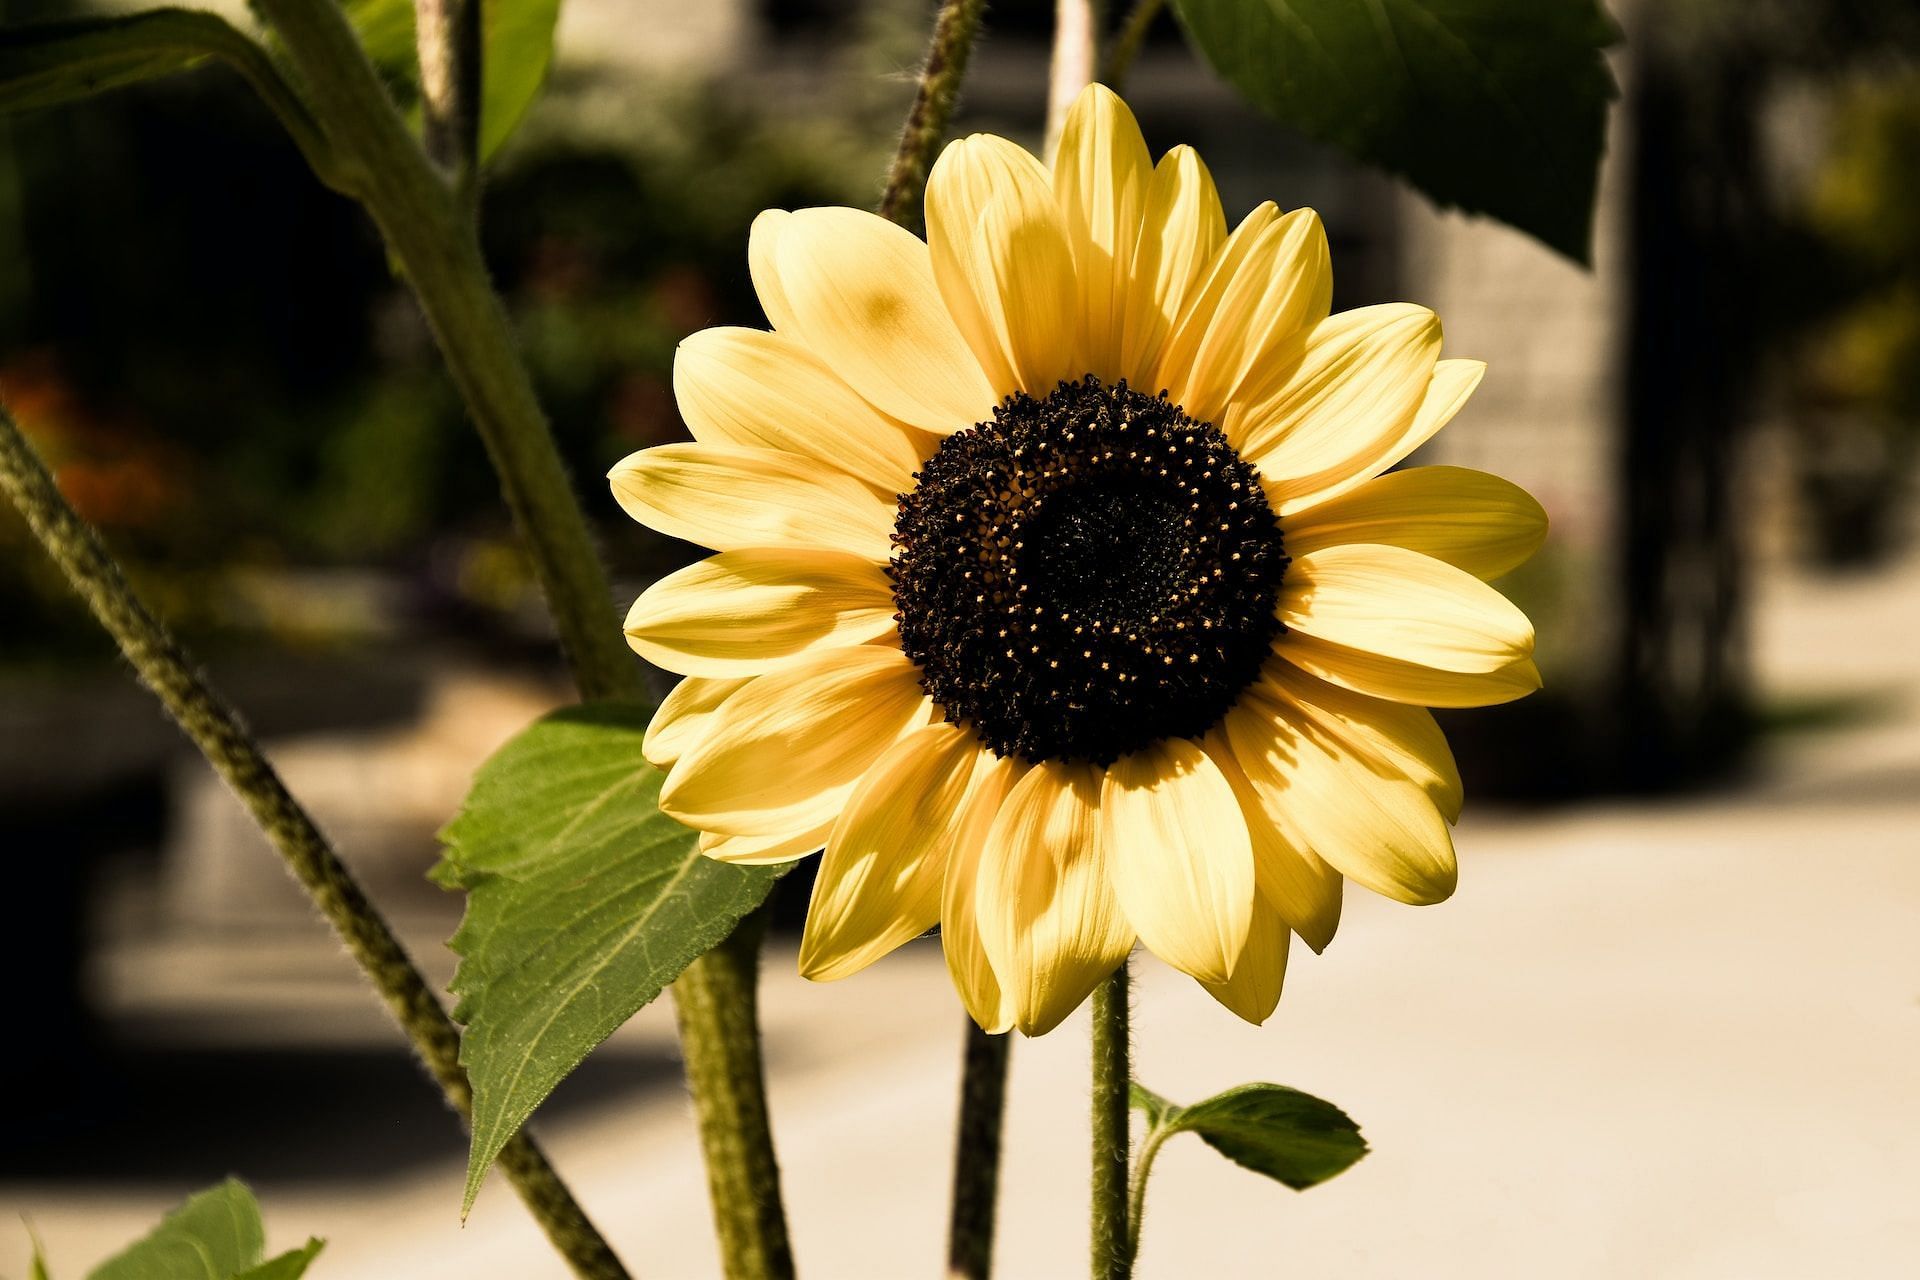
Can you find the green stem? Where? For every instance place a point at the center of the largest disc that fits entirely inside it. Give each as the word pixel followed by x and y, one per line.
pixel 1137 1189
pixel 216 730
pixel 1112 1078
pixel 718 1013
pixel 954 31
pixel 976 1161
pixel 1126 43
pixel 431 231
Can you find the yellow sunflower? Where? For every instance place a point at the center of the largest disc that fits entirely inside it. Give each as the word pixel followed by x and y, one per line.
pixel 1060 595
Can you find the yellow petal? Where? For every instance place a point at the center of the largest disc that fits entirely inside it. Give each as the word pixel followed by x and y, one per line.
pixel 865 302
pixel 1181 860
pixel 784 753
pixel 1380 831
pixel 1001 256
pixel 1284 284
pixel 1403 605
pixel 1048 917
pixel 1180 232
pixel 1469 519
pixel 1391 734
pixel 1253 992
pixel 763 851
pixel 1250 245
pixel 1101 177
pixel 730 498
pixel 1292 879
pixel 744 612
pixel 683 715
pixel 879 884
pixel 972 972
pixel 1322 411
pixel 763 263
pixel 756 390
pixel 1397 681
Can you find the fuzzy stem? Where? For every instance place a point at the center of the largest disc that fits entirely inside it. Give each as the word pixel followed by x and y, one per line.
pixel 1111 1080
pixel 430 229
pixel 976 1160
pixel 1137 1190
pixel 954 31
pixel 216 730
pixel 448 36
pixel 1126 45
pixel 732 1109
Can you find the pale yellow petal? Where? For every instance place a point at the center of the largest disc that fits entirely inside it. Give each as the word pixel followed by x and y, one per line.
pixel 1397 681
pixel 784 753
pixel 1248 248
pixel 1469 519
pixel 879 884
pixel 683 715
pixel 757 390
pixel 1294 880
pixel 864 301
pixel 763 263
pixel 763 851
pixel 1181 230
pixel 1403 605
pixel 1380 831
pixel 967 962
pixel 1180 857
pixel 1284 285
pixel 1390 734
pixel 1100 177
pixel 1323 409
pixel 1001 256
pixel 1049 919
pixel 1253 992
pixel 729 498
pixel 746 612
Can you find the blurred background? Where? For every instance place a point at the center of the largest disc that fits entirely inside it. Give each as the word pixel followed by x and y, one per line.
pixel 1670 1026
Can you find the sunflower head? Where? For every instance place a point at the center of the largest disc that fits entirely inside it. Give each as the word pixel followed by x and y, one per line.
pixel 1063 591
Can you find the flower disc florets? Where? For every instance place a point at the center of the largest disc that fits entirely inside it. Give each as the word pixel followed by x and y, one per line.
pixel 1086 574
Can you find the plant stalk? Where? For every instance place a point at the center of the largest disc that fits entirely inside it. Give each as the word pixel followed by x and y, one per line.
pixel 215 728
pixel 1111 1259
pixel 954 31
pixel 732 1108
pixel 976 1159
pixel 1076 36
pixel 1127 42
pixel 431 230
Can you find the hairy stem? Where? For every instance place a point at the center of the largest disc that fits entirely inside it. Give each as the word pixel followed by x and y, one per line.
pixel 976 1160
pixel 216 730
pixel 431 231
pixel 1112 1077
pixel 954 31
pixel 1126 43
pixel 732 1109
pixel 1137 1190
pixel 1076 35
pixel 448 36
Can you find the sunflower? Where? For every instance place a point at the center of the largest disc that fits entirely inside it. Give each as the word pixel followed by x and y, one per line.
pixel 1062 594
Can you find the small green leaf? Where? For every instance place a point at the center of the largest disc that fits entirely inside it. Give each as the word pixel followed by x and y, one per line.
pixel 213 1236
pixel 1497 106
pixel 43 64
pixel 290 1265
pixel 1151 1104
pixel 516 50
pixel 1290 1136
pixel 583 902
pixel 37 1264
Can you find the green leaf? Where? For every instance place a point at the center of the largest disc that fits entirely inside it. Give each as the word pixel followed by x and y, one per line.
pixel 290 1265
pixel 43 64
pixel 1497 106
pixel 1290 1136
pixel 584 902
pixel 213 1236
pixel 516 51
